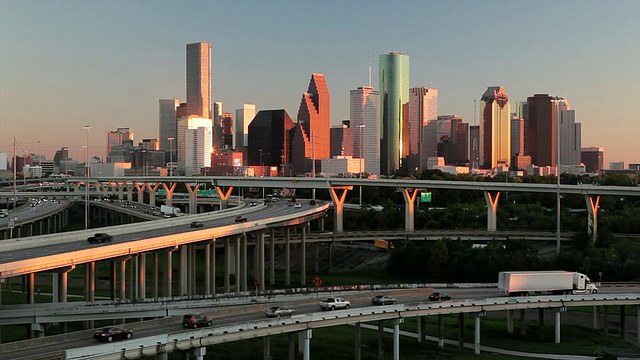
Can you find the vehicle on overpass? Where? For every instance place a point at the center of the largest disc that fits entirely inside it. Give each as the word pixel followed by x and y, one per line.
pixel 170 211
pixel 240 218
pixel 383 300
pixel 278 311
pixel 439 296
pixel 524 283
pixel 99 238
pixel 111 333
pixel 196 224
pixel 334 303
pixel 195 320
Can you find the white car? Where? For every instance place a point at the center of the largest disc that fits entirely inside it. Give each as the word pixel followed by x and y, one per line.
pixel 298 205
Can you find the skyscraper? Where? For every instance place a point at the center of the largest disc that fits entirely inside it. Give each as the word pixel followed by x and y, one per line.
pixel 244 115
pixel 452 135
pixel 194 144
pixel 423 108
pixel 217 126
pixel 342 140
pixel 364 110
pixel 593 158
pixel 394 92
pixel 199 79
pixel 168 126
pixel 312 138
pixel 270 131
pixel 570 133
pixel 495 129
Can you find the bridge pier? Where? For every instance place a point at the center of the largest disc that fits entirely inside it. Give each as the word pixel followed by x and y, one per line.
pixel 224 196
pixel 441 331
pixel 169 191
pixel 396 338
pixel 557 325
pixel 409 207
pixel 492 206
pixel 140 188
pixel 272 256
pixel 266 348
pixel 357 341
pixel 199 353
pixel 182 276
pixel 238 266
pixel 152 192
pixel 167 277
pixel 306 344
pixel 244 268
pixel 193 197
pixel 476 337
pixel 422 333
pixel 303 255
pixel 592 222
pixel 510 321
pixel 261 262
pixel 141 279
pixel 287 256
pixel 227 265
pixel 338 203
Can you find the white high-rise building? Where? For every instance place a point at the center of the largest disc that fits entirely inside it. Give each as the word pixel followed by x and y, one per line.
pixel 168 126
pixel 423 108
pixel 365 121
pixel 244 116
pixel 194 144
pixel 570 133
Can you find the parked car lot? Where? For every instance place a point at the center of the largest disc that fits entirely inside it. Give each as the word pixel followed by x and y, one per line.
pixel 195 320
pixel 383 300
pixel 278 311
pixel 111 333
pixel 439 296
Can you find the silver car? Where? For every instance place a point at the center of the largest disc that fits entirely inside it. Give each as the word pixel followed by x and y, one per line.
pixel 278 311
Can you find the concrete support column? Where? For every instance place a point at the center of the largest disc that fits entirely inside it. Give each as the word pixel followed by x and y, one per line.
pixel 272 256
pixel 261 261
pixel 622 321
pixel 492 206
pixel 152 193
pixel 213 267
pixel 306 344
pixel 557 326
pixel 441 331
pixel 130 192
pixel 207 268
pixel 92 281
pixel 227 265
pixel 140 187
pixel 523 328
pixel 31 279
pixel 460 332
pixel 592 220
pixel 358 339
pixel 380 339
pixel 169 191
pixel 156 291
pixel 161 356
pixel 476 333
pixel 638 322
pixel 409 207
pixel 141 281
pixel 183 271
pixel 303 256
pixel 113 280
pixel 606 320
pixel 595 316
pixel 62 285
pixel 239 274
pixel 287 256
pixel 540 324
pixel 292 346
pixel 510 321
pixel 193 197
pixel 338 202
pixel 191 269
pixel 123 279
pixel 422 331
pixel 245 267
pixel 224 196
pixel 199 353
pixel 396 338
pixel 167 277
pixel 266 348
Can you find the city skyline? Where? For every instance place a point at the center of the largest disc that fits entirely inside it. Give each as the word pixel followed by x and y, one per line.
pixel 262 54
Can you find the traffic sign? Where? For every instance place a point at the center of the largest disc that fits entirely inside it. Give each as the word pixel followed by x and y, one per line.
pixel 425 197
pixel 256 282
pixel 317 281
pixel 11 224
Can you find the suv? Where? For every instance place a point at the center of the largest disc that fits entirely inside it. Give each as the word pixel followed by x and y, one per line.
pixel 99 238
pixel 195 320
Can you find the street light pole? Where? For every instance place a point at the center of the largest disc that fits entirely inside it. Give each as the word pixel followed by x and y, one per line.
pixel 86 185
pixel 171 156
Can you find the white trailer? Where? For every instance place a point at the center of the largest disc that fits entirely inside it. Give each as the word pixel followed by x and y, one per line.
pixel 170 211
pixel 523 283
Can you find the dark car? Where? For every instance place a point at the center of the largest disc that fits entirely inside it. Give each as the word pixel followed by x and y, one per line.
pixel 99 238
pixel 278 311
pixel 111 333
pixel 439 296
pixel 383 300
pixel 312 202
pixel 253 203
pixel 240 218
pixel 197 224
pixel 195 320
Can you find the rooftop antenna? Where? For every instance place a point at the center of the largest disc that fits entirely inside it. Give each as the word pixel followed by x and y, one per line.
pixel 369 70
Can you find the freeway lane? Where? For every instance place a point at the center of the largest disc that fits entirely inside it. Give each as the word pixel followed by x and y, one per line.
pixel 241 314
pixel 262 212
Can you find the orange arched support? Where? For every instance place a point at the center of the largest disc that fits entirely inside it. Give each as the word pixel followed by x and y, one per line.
pixel 492 206
pixel 140 187
pixel 224 196
pixel 592 208
pixel 409 206
pixel 338 202
pixel 152 192
pixel 169 191
pixel 193 197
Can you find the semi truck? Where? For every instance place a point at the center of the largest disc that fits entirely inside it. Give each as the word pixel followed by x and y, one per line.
pixel 170 211
pixel 558 282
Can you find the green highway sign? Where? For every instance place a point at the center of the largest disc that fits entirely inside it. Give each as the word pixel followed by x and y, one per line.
pixel 425 197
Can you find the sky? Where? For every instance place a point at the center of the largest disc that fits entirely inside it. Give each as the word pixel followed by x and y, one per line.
pixel 66 64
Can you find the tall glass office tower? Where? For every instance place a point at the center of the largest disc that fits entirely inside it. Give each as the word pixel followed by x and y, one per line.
pixel 394 100
pixel 199 79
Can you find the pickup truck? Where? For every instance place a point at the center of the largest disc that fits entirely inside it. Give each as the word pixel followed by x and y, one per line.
pixel 334 303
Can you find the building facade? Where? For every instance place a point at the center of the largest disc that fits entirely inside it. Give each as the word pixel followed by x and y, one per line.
pixel 342 140
pixel 495 129
pixel 168 126
pixel 423 108
pixel 312 138
pixel 394 102
pixel 244 115
pixel 364 112
pixel 270 138
pixel 199 80
pixel 194 144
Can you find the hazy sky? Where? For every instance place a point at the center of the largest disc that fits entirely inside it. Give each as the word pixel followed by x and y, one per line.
pixel 65 64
